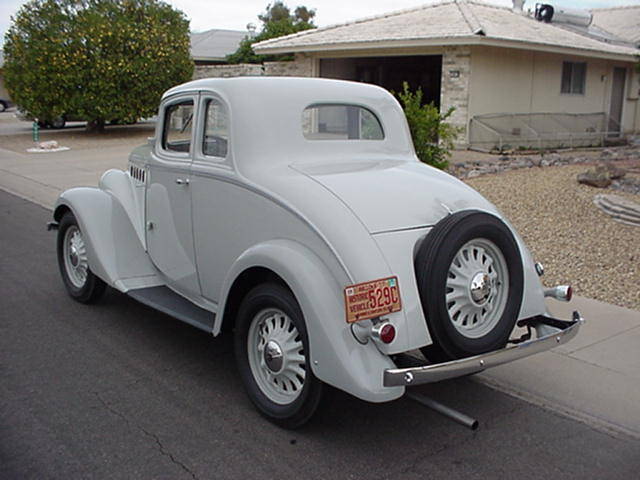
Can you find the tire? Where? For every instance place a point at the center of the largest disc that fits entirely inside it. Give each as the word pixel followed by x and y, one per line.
pixel 281 385
pixel 470 280
pixel 58 122
pixel 81 284
pixel 3 106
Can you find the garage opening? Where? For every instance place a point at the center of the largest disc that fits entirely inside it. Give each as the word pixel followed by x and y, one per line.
pixel 423 71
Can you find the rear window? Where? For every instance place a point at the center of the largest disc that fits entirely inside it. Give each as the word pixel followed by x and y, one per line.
pixel 340 122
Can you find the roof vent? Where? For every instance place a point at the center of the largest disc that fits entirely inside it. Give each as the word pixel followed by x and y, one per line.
pixel 545 12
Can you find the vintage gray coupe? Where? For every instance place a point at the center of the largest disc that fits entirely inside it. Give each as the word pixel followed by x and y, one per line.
pixel 293 214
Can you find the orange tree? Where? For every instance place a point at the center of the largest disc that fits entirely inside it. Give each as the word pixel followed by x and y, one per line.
pixel 100 59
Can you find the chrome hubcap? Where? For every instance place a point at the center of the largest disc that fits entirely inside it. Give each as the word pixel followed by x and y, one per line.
pixel 480 288
pixel 76 261
pixel 273 356
pixel 477 288
pixel 276 356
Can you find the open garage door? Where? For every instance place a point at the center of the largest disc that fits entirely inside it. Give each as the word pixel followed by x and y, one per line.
pixel 423 71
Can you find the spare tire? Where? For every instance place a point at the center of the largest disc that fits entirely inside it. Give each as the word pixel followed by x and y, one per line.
pixel 470 280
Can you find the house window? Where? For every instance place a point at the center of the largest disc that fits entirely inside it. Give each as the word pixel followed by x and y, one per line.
pixel 574 75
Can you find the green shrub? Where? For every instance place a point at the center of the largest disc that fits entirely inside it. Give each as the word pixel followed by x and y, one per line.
pixel 99 59
pixel 432 137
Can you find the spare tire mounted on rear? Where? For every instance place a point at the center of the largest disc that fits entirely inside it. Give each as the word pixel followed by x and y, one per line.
pixel 470 279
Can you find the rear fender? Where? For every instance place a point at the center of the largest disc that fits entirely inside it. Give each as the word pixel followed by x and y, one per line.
pixel 114 250
pixel 336 357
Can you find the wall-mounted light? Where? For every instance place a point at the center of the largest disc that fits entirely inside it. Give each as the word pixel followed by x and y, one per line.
pixel 454 73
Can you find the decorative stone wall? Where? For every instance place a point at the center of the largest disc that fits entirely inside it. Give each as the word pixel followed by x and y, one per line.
pixel 300 67
pixel 454 90
pixel 610 157
pixel 240 70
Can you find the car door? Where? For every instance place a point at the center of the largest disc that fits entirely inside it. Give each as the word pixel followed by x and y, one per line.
pixel 214 196
pixel 168 203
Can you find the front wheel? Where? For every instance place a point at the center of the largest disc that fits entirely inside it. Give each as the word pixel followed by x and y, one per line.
pixel 272 354
pixel 73 261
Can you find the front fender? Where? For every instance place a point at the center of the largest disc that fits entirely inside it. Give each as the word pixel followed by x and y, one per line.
pixel 336 357
pixel 114 251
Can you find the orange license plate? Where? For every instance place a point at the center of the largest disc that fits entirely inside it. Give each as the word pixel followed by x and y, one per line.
pixel 372 299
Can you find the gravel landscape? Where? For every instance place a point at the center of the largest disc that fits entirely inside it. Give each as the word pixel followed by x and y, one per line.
pixel 567 233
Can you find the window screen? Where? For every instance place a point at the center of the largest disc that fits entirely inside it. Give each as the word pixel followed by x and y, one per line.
pixel 216 130
pixel 178 121
pixel 573 77
pixel 340 122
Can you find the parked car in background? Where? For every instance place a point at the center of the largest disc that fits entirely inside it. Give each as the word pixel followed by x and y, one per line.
pixel 5 104
pixel 61 120
pixel 293 214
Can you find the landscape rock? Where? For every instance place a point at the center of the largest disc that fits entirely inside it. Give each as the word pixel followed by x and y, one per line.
pixel 619 208
pixel 615 173
pixel 598 178
pixel 49 145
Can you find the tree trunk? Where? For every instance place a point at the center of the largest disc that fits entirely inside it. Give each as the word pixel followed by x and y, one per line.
pixel 96 126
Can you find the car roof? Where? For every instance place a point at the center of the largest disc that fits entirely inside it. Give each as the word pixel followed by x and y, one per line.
pixel 278 86
pixel 266 117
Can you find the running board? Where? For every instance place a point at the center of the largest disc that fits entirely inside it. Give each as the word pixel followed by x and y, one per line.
pixel 167 301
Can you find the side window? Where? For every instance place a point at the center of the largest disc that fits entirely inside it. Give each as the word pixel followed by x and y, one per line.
pixel 216 130
pixel 178 121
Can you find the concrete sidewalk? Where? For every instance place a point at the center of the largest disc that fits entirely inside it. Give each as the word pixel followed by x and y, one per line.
pixel 595 378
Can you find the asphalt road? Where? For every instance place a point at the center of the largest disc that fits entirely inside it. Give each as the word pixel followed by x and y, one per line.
pixel 116 390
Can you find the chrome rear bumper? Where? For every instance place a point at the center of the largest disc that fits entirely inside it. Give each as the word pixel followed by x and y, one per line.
pixel 550 333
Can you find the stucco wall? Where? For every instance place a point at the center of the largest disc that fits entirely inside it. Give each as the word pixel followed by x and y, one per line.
pixel 519 81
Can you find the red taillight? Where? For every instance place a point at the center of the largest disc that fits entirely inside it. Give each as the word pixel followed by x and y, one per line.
pixel 569 293
pixel 387 333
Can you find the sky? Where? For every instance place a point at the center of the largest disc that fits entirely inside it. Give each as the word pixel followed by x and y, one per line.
pixel 235 15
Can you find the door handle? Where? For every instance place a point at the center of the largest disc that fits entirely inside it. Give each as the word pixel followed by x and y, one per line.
pixel 181 181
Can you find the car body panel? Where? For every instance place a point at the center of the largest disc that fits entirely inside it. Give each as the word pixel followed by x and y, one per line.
pixel 114 250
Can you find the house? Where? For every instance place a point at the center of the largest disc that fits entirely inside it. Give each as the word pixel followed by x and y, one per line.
pixel 212 46
pixel 512 79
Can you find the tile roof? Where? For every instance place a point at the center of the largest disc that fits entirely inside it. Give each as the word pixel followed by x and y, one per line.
pixel 215 44
pixel 623 22
pixel 447 21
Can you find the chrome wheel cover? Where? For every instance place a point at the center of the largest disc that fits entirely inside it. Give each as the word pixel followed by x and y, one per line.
pixel 477 288
pixel 276 356
pixel 74 252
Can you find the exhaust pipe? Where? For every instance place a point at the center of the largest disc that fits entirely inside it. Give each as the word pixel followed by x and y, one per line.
pixel 561 292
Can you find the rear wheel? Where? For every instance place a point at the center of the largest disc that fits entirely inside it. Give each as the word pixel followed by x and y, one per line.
pixel 272 353
pixel 470 279
pixel 73 262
